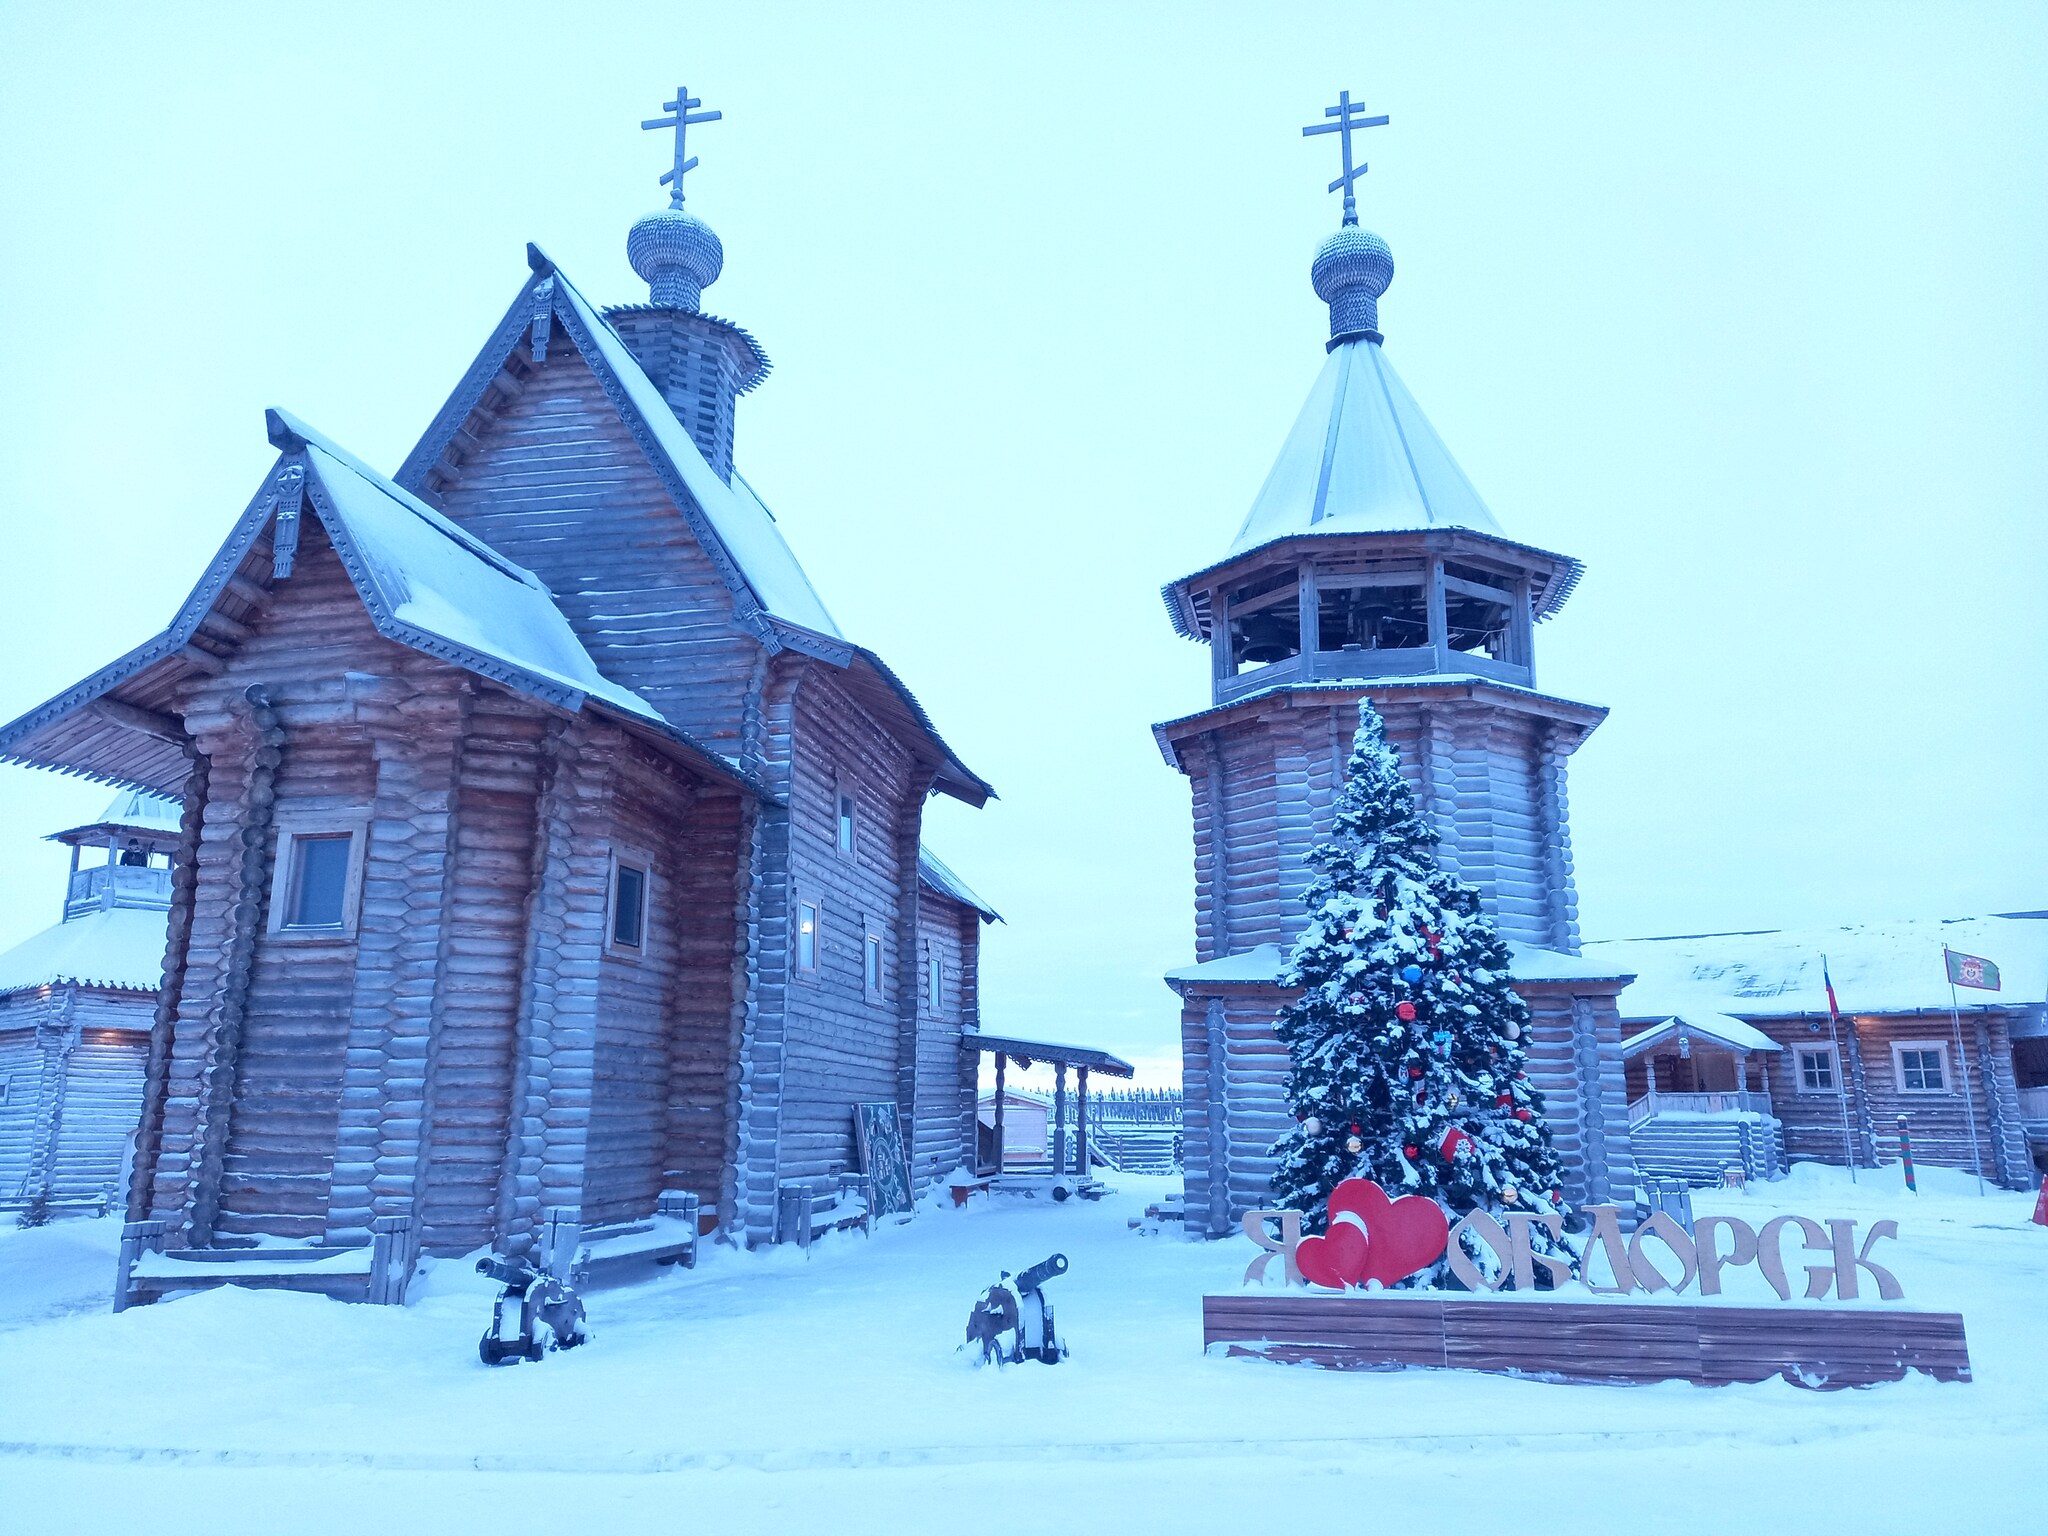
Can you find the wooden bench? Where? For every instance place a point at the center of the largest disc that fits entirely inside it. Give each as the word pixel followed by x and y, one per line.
pixel 964 1190
pixel 375 1272
pixel 667 1237
pixel 808 1208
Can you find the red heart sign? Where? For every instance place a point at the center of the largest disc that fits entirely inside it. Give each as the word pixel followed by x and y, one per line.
pixel 1398 1238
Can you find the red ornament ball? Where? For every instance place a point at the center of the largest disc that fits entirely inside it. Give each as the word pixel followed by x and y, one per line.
pixel 1354 1130
pixel 1522 1114
pixel 1409 1152
pixel 1415 1071
pixel 1405 1012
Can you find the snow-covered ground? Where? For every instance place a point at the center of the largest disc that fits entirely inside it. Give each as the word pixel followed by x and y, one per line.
pixel 770 1391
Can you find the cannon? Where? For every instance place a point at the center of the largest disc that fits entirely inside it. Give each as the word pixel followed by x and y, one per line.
pixel 1013 1319
pixel 549 1314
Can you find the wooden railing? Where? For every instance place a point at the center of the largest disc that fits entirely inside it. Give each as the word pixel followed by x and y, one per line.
pixel 1658 1103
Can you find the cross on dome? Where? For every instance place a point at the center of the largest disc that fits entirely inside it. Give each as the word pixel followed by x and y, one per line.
pixel 1349 119
pixel 683 117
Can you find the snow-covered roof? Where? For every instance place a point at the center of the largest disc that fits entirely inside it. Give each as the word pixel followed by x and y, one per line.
pixel 118 947
pixel 934 873
pixel 1718 1027
pixel 742 521
pixel 1362 458
pixel 1887 967
pixel 1262 965
pixel 132 810
pixel 418 571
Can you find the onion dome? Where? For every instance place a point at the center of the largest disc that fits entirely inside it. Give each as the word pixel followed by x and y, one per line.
pixel 1352 269
pixel 678 256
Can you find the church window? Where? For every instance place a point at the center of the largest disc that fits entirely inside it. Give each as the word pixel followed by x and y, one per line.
pixel 873 967
pixel 1921 1066
pixel 847 815
pixel 1265 620
pixel 629 903
pixel 807 936
pixel 1817 1072
pixel 935 984
pixel 317 879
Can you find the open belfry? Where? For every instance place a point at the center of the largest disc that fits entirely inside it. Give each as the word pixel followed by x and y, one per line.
pixel 1369 569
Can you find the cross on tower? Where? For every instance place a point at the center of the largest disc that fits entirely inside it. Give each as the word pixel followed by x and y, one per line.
pixel 1347 114
pixel 681 118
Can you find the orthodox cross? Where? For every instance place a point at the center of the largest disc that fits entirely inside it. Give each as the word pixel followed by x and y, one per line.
pixel 682 118
pixel 1348 118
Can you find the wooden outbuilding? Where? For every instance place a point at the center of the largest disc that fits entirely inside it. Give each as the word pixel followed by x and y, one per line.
pixel 76 1004
pixel 545 844
pixel 1728 1028
pixel 1369 569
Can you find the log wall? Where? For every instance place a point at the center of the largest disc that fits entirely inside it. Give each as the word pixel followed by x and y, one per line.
pixel 942 1132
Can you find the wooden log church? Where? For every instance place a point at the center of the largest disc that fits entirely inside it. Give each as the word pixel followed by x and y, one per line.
pixel 1369 568
pixel 544 841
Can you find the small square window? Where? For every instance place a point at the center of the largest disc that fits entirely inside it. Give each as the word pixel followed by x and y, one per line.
pixel 629 905
pixel 807 935
pixel 1817 1071
pixel 874 965
pixel 935 984
pixel 1922 1067
pixel 846 819
pixel 316 876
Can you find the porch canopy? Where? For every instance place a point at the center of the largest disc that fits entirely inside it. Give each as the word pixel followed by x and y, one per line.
pixel 1083 1059
pixel 1716 1029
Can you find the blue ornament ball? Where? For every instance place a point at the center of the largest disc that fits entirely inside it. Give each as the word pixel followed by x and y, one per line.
pixel 1411 974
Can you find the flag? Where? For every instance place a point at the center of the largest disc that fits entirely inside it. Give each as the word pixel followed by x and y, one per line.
pixel 1970 971
pixel 1834 1008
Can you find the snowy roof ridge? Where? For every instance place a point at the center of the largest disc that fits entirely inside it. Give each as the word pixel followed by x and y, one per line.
pixel 937 874
pixel 121 948
pixel 1723 1028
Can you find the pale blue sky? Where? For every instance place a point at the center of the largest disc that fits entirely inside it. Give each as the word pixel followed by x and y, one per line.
pixel 1742 305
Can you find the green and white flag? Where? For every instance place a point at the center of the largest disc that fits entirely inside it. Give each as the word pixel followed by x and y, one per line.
pixel 1970 971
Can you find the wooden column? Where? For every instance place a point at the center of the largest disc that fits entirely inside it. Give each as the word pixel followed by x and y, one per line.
pixel 1059 1117
pixel 1081 1122
pixel 1439 624
pixel 1002 1061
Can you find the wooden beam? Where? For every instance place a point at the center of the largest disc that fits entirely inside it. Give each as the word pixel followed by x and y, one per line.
pixel 134 718
pixel 221 627
pixel 203 659
pixel 249 591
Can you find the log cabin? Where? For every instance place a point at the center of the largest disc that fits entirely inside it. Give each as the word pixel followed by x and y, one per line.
pixel 1734 1056
pixel 1369 568
pixel 544 842
pixel 76 1004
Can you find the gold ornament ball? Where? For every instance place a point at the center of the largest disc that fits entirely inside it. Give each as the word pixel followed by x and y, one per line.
pixel 1353 1144
pixel 1313 1126
pixel 1511 1194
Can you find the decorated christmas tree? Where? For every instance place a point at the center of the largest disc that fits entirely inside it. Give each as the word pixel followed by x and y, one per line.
pixel 1408 1046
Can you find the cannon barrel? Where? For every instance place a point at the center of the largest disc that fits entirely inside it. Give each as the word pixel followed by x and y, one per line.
pixel 1032 1278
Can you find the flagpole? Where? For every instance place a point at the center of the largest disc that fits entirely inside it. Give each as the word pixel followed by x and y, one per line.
pixel 1841 1066
pixel 1955 1015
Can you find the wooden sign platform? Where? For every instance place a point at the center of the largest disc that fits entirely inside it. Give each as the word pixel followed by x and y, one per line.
pixel 1590 1341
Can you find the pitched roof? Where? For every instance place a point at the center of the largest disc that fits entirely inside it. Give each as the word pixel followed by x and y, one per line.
pixel 934 873
pixel 1717 1027
pixel 132 810
pixel 425 582
pixel 118 947
pixel 730 522
pixel 1362 458
pixel 1889 967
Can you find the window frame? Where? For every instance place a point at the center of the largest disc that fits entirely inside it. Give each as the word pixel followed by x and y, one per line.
pixel 798 965
pixel 640 862
pixel 293 827
pixel 935 984
pixel 1834 1061
pixel 1940 1050
pixel 845 825
pixel 873 964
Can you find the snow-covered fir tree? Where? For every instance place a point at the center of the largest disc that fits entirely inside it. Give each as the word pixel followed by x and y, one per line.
pixel 1409 1065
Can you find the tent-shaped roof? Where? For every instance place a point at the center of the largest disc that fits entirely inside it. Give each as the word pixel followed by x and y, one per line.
pixel 117 947
pixel 1362 458
pixel 134 812
pixel 1728 1033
